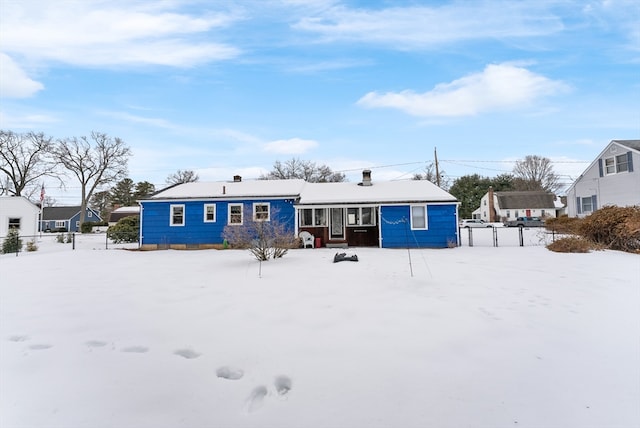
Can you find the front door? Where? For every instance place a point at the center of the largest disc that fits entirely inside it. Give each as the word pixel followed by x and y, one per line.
pixel 337 223
pixel 528 213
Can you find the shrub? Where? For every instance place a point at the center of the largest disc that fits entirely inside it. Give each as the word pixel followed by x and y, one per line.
pixel 563 224
pixel 31 246
pixel 12 243
pixel 617 228
pixel 60 239
pixel 571 244
pixel 126 230
pixel 87 226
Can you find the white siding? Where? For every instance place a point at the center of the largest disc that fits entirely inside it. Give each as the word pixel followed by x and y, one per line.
pixel 621 189
pixel 18 207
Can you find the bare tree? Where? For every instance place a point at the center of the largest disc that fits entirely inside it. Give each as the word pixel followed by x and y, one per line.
pixel 95 161
pixel 535 173
pixel 429 173
pixel 306 170
pixel 263 238
pixel 180 177
pixel 25 159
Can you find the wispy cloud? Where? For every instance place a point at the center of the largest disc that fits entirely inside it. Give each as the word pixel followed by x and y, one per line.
pixel 292 146
pixel 14 82
pixel 96 33
pixel 497 87
pixel 431 26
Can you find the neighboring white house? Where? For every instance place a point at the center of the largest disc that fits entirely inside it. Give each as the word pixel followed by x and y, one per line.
pixel 503 206
pixel 613 178
pixel 19 213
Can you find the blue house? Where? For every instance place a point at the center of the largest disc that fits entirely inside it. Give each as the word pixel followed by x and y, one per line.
pixel 65 219
pixel 395 214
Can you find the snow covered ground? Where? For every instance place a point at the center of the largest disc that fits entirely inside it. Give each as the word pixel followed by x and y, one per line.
pixel 464 337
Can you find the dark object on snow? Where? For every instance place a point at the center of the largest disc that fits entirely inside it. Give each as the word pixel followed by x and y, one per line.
pixel 340 257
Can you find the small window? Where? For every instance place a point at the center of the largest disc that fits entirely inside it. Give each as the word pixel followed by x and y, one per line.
pixel 622 163
pixel 320 217
pixel 367 217
pixel 14 223
pixel 261 212
pixel 177 215
pixel 353 216
pixel 90 214
pixel 209 213
pixel 609 165
pixel 418 217
pixel 306 217
pixel 586 204
pixel 60 223
pixel 235 213
pixel 77 224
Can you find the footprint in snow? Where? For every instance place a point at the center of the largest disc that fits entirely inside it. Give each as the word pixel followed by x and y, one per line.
pixel 95 343
pixel 189 354
pixel 40 346
pixel 282 384
pixel 231 373
pixel 256 398
pixel 18 338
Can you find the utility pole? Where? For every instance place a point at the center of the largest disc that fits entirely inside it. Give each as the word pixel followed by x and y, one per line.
pixel 435 155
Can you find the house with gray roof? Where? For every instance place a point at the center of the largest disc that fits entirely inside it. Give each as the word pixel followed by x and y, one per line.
pixel 65 219
pixel 613 178
pixel 392 214
pixel 505 206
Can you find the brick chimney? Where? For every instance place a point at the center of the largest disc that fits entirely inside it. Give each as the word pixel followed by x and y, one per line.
pixel 237 179
pixel 366 177
pixel 492 210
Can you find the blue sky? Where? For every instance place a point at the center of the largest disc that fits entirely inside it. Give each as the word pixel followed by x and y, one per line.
pixel 229 87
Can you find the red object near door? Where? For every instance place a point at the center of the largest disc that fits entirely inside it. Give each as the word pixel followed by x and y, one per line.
pixel 528 213
pixel 318 243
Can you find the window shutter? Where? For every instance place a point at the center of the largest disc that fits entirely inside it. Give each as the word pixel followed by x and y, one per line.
pixel 594 203
pixel 600 167
pixel 578 206
pixel 630 161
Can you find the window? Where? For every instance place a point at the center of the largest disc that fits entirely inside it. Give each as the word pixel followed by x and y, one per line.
pixel 77 224
pixel 14 223
pixel 61 223
pixel 418 217
pixel 235 213
pixel 177 215
pixel 586 205
pixel 367 216
pixel 622 163
pixel 261 211
pixel 362 216
pixel 508 214
pixel 313 217
pixel 89 214
pixel 614 165
pixel 209 213
pixel 353 216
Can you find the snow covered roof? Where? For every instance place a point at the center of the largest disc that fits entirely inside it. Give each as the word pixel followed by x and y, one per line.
pixel 232 189
pixel 129 209
pixel 384 192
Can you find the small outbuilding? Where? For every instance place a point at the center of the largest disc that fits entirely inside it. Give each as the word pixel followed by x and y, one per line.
pixel 17 212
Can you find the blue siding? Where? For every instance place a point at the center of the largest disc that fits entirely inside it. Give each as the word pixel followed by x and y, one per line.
pixel 157 230
pixel 395 227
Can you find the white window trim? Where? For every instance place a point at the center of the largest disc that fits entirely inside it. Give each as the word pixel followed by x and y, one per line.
pixel 241 214
pixel 359 223
pixel 615 165
pixel 257 204
pixel 215 214
pixel 426 217
pixel 61 223
pixel 184 214
pixel 314 222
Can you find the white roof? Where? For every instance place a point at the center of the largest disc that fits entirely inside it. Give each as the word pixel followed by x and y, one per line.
pixel 232 189
pixel 132 209
pixel 384 192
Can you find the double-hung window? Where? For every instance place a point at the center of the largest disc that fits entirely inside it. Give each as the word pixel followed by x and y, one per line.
pixel 177 215
pixel 14 223
pixel 313 217
pixel 209 213
pixel 418 217
pixel 261 211
pixel 616 164
pixel 235 213
pixel 586 204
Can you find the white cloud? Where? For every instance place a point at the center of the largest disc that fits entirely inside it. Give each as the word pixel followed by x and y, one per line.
pixel 112 33
pixel 292 146
pixel 497 87
pixel 428 26
pixel 14 82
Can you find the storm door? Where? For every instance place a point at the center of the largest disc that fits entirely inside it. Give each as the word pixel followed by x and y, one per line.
pixel 337 223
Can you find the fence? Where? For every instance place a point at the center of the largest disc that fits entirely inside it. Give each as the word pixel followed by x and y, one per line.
pixel 506 236
pixel 67 241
